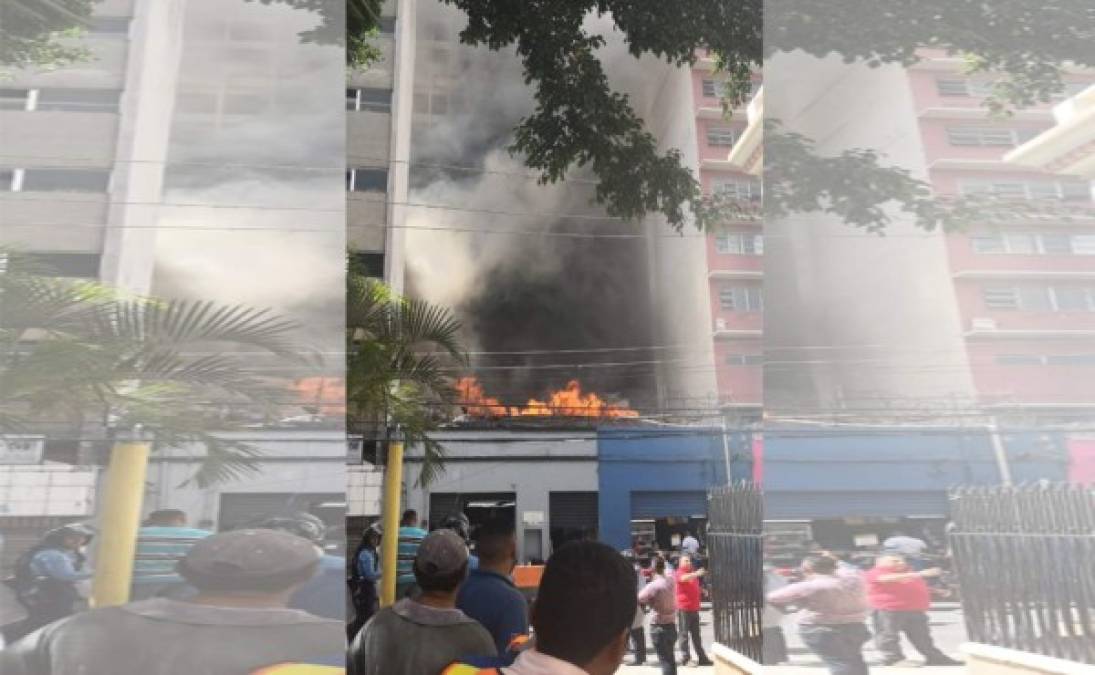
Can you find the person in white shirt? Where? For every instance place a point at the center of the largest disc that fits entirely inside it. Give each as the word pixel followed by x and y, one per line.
pixel 690 545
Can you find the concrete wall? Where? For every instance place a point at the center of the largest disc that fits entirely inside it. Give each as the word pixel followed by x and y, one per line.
pixel 292 461
pixel 530 464
pixel 729 662
pixel 989 660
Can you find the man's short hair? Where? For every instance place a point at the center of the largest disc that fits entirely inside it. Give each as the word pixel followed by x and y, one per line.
pixel 586 600
pixel 165 517
pixel 493 539
pixel 820 564
pixel 409 516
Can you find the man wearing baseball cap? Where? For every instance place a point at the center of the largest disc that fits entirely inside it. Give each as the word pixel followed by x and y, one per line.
pixel 237 623
pixel 422 635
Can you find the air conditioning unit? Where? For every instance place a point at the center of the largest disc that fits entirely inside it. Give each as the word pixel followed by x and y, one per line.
pixel 983 323
pixel 720 324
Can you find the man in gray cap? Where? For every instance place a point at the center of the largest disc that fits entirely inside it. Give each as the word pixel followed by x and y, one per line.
pixel 424 634
pixel 237 622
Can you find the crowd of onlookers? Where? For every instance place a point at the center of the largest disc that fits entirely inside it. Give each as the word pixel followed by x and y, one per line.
pixel 259 599
pixel 266 598
pixel 839 607
pixel 455 592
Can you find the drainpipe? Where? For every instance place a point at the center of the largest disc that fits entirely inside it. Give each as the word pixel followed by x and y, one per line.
pixel 726 452
pixel 999 451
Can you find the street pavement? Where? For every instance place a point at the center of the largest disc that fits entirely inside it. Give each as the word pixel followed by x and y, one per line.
pixel 946 625
pixel 947 631
pixel 652 668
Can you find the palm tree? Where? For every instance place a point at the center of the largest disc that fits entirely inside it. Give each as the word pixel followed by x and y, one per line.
pixel 395 365
pixel 73 351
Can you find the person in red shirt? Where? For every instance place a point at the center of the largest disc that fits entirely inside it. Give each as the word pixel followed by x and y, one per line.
pixel 900 598
pixel 688 610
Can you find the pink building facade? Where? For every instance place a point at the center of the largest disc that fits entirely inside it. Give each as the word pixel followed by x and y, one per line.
pixel 1025 288
pixel 734 254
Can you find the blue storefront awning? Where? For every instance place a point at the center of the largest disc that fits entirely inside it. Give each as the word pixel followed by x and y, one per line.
pixel 681 504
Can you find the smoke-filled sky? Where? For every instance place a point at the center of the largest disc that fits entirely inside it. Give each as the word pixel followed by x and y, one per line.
pixel 257 147
pixel 535 289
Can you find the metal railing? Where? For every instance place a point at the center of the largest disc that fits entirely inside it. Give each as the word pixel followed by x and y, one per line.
pixel 1025 558
pixel 735 548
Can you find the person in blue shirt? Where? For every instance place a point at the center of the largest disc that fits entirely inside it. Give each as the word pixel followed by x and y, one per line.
pixel 46 577
pixel 410 537
pixel 163 540
pixel 323 595
pixel 489 595
pixel 461 525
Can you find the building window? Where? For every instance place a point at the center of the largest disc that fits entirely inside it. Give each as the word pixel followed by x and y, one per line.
pixel 721 137
pixel 109 25
pixel 961 87
pixel 1018 360
pixel 1045 359
pixel 1000 298
pixel 1083 244
pixel 1055 244
pixel 1068 190
pixel 373 100
pixel 386 24
pixel 14 99
pixel 744 359
pixel 1070 360
pixel 60 180
pixel 710 88
pixel 78 100
pixel 370 264
pixel 988 136
pixel 73 265
pixel 1022 243
pixel 739 243
pixel 72 100
pixel 1040 298
pixel 741 298
pixel 742 190
pixel 367 180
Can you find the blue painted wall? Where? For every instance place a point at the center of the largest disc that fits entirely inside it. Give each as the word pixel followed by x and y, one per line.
pixel 904 470
pixel 659 459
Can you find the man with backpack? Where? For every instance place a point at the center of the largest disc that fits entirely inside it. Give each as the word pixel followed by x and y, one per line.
pixel 47 578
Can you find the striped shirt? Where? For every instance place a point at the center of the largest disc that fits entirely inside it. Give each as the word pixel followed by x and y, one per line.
pixel 409 539
pixel 159 549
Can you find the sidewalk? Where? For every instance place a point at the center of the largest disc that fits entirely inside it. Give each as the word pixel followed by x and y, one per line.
pixel 947 628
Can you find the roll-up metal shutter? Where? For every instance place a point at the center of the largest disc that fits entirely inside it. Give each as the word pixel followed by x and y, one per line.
pixel 891 504
pixel 572 509
pixel 443 504
pixel 241 508
pixel 665 504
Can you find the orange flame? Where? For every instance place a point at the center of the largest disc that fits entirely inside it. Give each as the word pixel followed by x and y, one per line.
pixel 327 395
pixel 566 402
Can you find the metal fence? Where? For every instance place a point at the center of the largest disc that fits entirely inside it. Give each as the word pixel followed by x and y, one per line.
pixel 735 547
pixel 1025 558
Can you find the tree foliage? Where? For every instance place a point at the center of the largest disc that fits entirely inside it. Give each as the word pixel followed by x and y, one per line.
pixel 72 350
pixel 32 32
pixel 579 120
pixel 356 30
pixel 396 354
